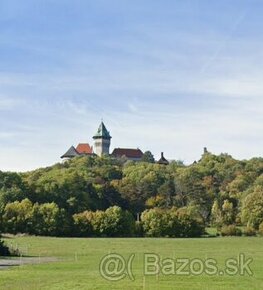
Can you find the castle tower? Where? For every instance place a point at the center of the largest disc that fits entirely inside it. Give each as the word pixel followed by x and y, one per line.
pixel 102 141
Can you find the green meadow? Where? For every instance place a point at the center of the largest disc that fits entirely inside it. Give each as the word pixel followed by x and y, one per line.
pixel 78 265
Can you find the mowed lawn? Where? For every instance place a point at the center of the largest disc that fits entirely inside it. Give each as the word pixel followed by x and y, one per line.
pixel 79 260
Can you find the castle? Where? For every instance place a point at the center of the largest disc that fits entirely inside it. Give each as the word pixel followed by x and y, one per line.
pixel 102 141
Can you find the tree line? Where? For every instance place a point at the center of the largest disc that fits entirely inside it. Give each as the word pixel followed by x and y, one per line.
pixel 91 196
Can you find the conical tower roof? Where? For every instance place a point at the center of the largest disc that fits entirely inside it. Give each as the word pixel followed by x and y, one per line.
pixel 72 152
pixel 102 132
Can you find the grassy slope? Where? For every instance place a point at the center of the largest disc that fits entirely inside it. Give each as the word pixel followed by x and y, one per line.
pixel 80 266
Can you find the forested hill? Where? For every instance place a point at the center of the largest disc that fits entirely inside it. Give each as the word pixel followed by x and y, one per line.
pixel 220 189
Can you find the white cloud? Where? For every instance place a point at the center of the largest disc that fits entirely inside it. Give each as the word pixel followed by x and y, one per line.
pixel 9 103
pixel 160 89
pixel 6 135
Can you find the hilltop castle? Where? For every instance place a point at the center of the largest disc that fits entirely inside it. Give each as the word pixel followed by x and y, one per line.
pixel 102 141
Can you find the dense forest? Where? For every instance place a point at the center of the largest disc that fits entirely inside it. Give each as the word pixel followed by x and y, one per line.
pixel 92 196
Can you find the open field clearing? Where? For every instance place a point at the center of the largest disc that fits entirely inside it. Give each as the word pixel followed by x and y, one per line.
pixel 76 263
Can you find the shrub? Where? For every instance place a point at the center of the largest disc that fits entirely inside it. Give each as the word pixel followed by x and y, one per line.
pixel 114 222
pixel 252 210
pixel 249 231
pixel 155 222
pixel 39 219
pixel 4 250
pixel 190 224
pixel 230 230
pixel 83 224
pixel 117 223
pixel 175 222
pixel 17 216
pixel 47 219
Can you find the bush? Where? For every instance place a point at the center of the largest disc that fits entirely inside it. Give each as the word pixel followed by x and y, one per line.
pixel 39 219
pixel 17 216
pixel 83 224
pixel 260 229
pixel 114 222
pixel 230 230
pixel 252 210
pixel 175 222
pixel 4 250
pixel 249 231
pixel 47 219
pixel 189 223
pixel 155 222
pixel 117 223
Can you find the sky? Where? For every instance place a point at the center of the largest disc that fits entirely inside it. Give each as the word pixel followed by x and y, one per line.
pixel 171 75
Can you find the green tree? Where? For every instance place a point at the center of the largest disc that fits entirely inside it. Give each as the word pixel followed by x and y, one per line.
pixel 191 223
pixel 182 222
pixel 118 222
pixel 216 214
pixel 114 222
pixel 83 223
pixel 12 188
pixel 47 219
pixel 142 181
pixel 148 157
pixel 155 222
pixel 228 212
pixel 252 210
pixel 17 217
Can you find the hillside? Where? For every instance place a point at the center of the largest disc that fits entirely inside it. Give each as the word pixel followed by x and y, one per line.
pixel 218 189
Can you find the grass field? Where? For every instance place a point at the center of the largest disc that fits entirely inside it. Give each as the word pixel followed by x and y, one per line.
pixel 78 267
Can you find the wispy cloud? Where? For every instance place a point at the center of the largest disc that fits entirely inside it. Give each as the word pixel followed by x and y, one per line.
pixel 9 103
pixel 172 76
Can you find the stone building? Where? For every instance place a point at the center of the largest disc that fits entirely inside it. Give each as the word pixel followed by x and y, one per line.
pixel 102 142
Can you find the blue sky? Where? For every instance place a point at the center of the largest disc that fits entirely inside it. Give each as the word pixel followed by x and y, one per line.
pixel 170 76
